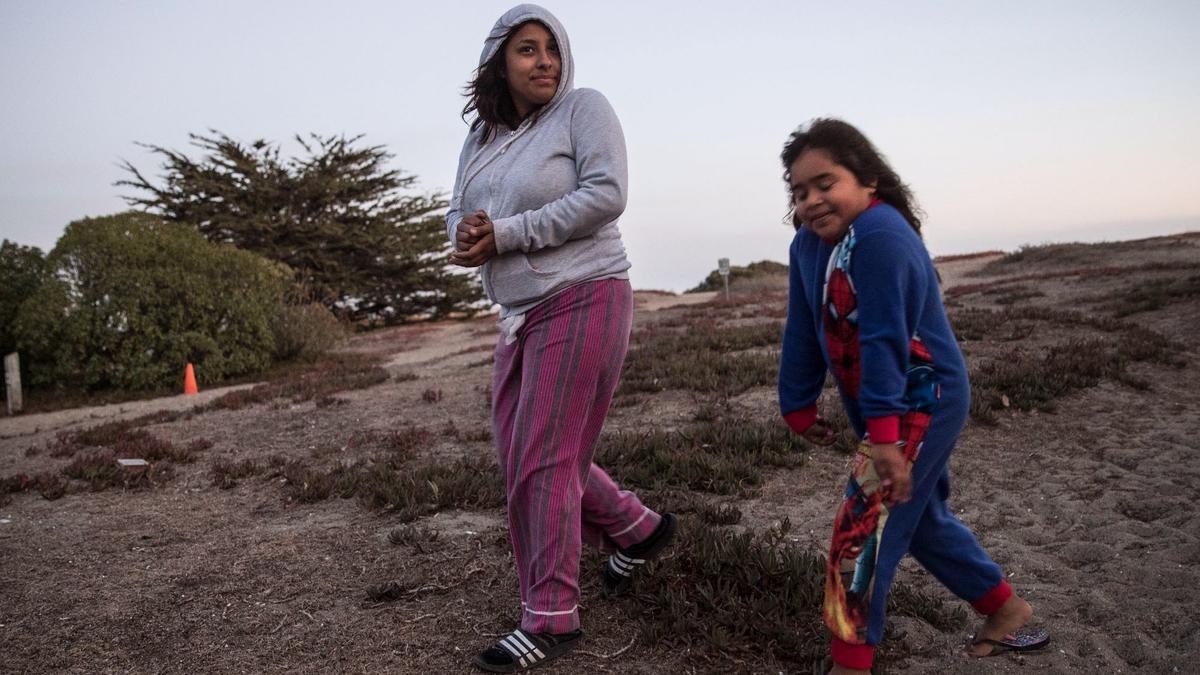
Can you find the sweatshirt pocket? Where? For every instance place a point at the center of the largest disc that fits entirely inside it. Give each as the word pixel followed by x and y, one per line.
pixel 558 260
pixel 520 278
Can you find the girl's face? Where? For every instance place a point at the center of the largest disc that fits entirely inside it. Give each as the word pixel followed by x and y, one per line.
pixel 532 67
pixel 827 197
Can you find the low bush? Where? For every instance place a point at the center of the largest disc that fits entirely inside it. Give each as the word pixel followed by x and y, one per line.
pixel 413 535
pixel 725 456
pixel 50 485
pixel 305 331
pixel 1024 379
pixel 410 492
pixel 226 473
pixel 1150 295
pixel 99 469
pixel 692 354
pixel 705 371
pixel 1075 254
pixel 755 599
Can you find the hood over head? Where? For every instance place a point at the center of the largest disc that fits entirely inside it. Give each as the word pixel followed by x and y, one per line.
pixel 528 12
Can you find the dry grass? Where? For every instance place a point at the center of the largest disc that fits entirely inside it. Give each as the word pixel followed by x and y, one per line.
pixel 725 457
pixel 1083 350
pixel 1150 295
pixel 100 471
pixel 330 374
pixel 755 599
pixel 50 485
pixel 391 485
pixel 93 453
pixel 966 256
pixel 225 473
pixel 686 353
pixel 414 536
pixel 1096 272
pixel 1078 255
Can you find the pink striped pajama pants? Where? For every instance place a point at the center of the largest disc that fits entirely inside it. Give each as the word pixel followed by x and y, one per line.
pixel 551 390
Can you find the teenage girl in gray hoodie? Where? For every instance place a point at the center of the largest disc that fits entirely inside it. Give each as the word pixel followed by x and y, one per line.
pixel 541 182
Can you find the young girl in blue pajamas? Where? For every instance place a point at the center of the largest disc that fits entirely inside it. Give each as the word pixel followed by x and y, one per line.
pixel 865 304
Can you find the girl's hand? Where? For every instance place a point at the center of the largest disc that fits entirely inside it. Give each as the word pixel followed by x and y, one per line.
pixel 467 233
pixel 483 250
pixel 894 470
pixel 476 240
pixel 819 432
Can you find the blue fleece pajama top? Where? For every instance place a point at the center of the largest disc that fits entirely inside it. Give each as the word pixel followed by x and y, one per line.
pixel 869 310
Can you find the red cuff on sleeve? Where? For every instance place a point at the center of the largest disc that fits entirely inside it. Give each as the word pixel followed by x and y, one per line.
pixel 994 599
pixel 884 429
pixel 857 657
pixel 800 420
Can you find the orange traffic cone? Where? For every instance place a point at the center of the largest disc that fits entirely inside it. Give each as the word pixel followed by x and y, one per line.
pixel 189 381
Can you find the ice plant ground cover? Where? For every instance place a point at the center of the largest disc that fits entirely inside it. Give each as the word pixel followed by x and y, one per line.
pixel 348 517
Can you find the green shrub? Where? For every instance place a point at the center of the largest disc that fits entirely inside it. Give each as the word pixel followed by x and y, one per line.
pixel 713 281
pixel 305 331
pixel 22 269
pixel 131 299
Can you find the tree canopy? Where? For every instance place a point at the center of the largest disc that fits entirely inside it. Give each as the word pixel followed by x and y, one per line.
pixel 357 239
pixel 22 269
pixel 128 299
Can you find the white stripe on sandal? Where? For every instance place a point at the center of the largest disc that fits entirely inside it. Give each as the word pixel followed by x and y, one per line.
pixel 522 648
pixel 623 564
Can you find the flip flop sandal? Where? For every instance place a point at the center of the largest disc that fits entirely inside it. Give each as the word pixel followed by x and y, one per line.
pixel 1024 640
pixel 618 572
pixel 520 651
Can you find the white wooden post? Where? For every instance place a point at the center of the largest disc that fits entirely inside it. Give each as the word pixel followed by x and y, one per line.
pixel 723 270
pixel 12 381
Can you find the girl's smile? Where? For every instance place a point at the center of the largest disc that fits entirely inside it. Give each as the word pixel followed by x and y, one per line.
pixel 826 196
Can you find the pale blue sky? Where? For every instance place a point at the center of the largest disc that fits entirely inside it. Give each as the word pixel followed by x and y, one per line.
pixel 1015 122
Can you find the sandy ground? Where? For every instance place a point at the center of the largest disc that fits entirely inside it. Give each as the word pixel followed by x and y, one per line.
pixel 1090 508
pixel 76 418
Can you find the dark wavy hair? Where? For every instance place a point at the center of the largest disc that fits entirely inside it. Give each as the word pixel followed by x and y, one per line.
pixel 487 94
pixel 850 148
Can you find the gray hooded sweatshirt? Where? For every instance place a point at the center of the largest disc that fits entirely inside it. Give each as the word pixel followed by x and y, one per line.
pixel 553 187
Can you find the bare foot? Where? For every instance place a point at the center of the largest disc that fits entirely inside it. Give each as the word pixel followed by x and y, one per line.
pixel 1011 617
pixel 842 670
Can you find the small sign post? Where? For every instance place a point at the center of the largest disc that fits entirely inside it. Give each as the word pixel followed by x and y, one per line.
pixel 12 382
pixel 723 270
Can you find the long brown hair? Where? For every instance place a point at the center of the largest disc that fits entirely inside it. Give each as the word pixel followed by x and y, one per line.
pixel 488 96
pixel 850 148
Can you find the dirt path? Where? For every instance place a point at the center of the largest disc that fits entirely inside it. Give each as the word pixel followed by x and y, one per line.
pixel 73 418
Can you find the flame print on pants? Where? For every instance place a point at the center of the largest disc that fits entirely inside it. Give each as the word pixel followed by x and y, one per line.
pixel 858 526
